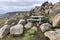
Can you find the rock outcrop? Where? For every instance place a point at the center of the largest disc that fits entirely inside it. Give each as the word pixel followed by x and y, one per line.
pixel 4 30
pixel 55 10
pixel 56 21
pixel 24 22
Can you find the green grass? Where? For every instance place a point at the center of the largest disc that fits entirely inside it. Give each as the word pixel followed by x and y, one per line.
pixel 2 22
pixel 29 35
pixel 24 37
pixel 31 32
pixel 10 37
pixel 43 36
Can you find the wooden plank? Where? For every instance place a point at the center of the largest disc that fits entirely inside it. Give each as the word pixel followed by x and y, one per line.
pixel 37 16
pixel 33 19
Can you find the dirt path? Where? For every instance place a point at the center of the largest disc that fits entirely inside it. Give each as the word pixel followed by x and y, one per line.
pixel 37 35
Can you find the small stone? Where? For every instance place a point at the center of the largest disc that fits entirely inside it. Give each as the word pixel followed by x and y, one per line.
pixel 34 28
pixel 28 25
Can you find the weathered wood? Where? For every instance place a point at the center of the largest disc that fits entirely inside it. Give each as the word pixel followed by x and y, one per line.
pixel 33 19
pixel 36 18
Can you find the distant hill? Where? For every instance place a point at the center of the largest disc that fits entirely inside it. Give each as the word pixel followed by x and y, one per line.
pixel 45 8
pixel 12 14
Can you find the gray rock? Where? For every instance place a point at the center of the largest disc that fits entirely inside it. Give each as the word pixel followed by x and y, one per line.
pixel 55 10
pixel 50 35
pixel 22 21
pixel 53 35
pixel 16 30
pixel 44 27
pixel 34 28
pixel 56 21
pixel 28 25
pixel 4 30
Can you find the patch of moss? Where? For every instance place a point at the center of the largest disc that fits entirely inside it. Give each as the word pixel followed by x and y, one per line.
pixel 27 37
pixel 31 32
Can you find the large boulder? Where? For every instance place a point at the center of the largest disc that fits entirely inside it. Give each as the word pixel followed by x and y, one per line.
pixel 50 35
pixel 16 30
pixel 44 27
pixel 4 30
pixel 53 35
pixel 28 25
pixel 56 21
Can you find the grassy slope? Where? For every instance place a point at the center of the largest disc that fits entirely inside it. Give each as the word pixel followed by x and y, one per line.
pixel 28 37
pixel 25 37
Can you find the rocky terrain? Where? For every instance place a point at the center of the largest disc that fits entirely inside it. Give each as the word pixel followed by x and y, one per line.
pixel 15 26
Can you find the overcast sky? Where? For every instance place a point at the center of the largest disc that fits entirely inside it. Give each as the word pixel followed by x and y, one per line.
pixel 20 5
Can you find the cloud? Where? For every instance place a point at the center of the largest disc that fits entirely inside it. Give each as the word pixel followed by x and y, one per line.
pixel 18 5
pixel 9 0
